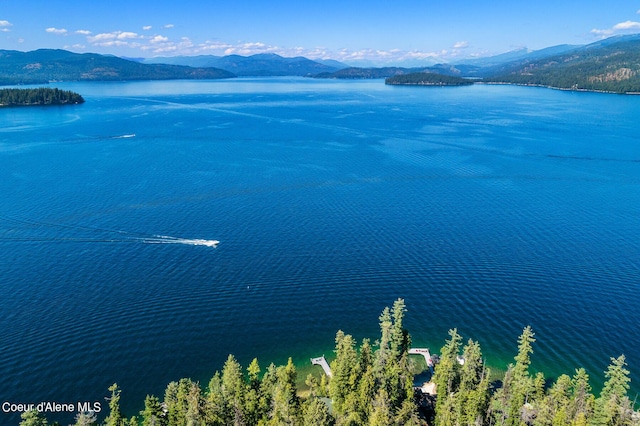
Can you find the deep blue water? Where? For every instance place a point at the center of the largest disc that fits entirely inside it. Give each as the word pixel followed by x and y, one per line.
pixel 486 208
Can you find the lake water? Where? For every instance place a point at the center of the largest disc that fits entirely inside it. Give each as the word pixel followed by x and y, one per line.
pixel 487 208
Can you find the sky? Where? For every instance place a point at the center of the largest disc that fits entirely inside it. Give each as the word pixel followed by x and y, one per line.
pixel 390 32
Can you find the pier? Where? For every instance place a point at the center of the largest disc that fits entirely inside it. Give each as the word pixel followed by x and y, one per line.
pixel 322 362
pixel 424 352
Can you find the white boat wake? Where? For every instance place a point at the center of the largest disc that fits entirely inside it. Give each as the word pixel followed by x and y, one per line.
pixel 95 235
pixel 164 239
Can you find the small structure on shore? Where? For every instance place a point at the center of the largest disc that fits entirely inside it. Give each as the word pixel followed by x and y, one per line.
pixel 322 362
pixel 424 352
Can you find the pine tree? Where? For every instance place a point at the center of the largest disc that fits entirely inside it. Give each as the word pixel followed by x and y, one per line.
pixel 153 415
pixel 286 404
pixel 233 391
pixel 508 403
pixel 86 419
pixel 447 379
pixel 613 407
pixel 184 404
pixel 33 418
pixel 315 412
pixel 582 399
pixel 115 417
pixel 344 373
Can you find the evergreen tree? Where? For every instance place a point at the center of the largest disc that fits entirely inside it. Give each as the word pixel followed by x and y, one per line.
pixel 153 415
pixel 86 419
pixel 252 407
pixel 508 403
pixel 381 413
pixel 613 407
pixel 184 403
pixel 344 372
pixel 316 413
pixel 473 393
pixel 215 412
pixel 233 391
pixel 447 379
pixel 286 405
pixel 115 417
pixel 33 418
pixel 582 399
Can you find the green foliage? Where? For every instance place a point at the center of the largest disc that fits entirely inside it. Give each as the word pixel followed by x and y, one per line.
pixel 39 96
pixel 375 388
pixel 613 406
pixel 315 412
pixel 153 415
pixel 86 419
pixel 613 67
pixel 33 418
pixel 115 417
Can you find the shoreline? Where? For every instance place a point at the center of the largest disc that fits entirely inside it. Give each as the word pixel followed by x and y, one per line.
pixel 564 89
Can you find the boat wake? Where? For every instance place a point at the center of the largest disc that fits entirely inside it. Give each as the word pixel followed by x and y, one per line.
pixel 25 230
pixel 164 239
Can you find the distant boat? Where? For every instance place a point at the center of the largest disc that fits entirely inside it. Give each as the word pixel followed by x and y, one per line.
pixel 208 243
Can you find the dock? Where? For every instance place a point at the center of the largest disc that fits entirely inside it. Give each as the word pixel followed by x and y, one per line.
pixel 322 362
pixel 424 352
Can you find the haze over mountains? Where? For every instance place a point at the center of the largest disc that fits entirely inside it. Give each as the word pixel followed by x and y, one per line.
pixel 611 64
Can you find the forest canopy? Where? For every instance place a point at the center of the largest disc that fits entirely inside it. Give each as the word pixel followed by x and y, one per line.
pixel 372 383
pixel 38 96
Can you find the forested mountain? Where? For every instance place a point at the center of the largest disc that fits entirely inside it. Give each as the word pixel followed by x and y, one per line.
pixel 39 96
pixel 611 65
pixel 354 73
pixel 512 56
pixel 372 384
pixel 265 64
pixel 44 65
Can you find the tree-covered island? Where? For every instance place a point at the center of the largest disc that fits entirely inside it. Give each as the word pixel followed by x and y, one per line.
pixel 372 383
pixel 39 96
pixel 427 79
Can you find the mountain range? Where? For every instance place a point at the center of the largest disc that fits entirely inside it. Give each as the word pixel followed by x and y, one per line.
pixel 45 65
pixel 612 64
pixel 263 64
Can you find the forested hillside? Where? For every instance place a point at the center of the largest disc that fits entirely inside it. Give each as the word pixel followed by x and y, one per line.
pixel 613 66
pixel 45 65
pixel 372 384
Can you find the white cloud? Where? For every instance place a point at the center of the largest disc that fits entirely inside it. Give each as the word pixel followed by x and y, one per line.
pixel 461 45
pixel 147 27
pixel 169 26
pixel 5 24
pixel 59 31
pixel 83 32
pixel 622 27
pixel 127 35
pixel 158 39
pixel 627 25
pixel 98 38
pixel 115 39
pixel 162 45
pixel 5 30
